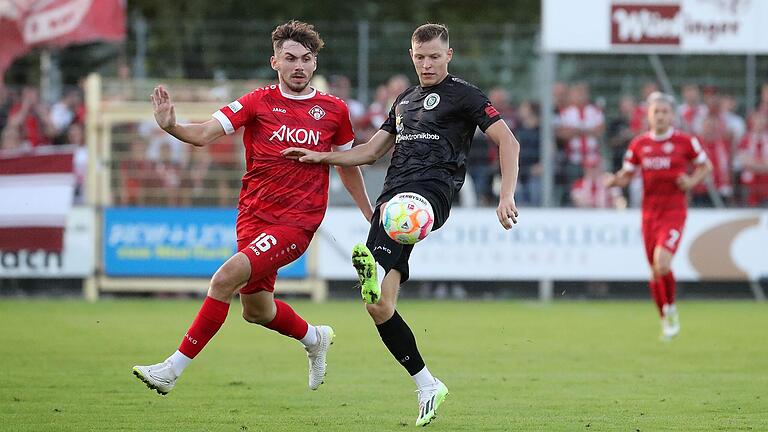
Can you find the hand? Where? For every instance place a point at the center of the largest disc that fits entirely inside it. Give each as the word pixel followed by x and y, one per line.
pixel 165 114
pixel 684 182
pixel 609 180
pixel 507 212
pixel 302 155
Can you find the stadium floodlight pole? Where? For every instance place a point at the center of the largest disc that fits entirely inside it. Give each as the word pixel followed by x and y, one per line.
pixel 547 149
pixel 363 57
pixel 750 83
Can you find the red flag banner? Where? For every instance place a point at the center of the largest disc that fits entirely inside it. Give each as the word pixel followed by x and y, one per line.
pixel 37 191
pixel 29 24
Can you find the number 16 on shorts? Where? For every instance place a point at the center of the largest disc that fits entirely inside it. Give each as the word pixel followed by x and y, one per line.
pixel 262 243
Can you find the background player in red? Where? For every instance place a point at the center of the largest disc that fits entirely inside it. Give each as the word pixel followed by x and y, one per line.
pixel 664 156
pixel 282 202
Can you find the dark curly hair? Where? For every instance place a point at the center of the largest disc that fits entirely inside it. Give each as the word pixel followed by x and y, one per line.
pixel 299 32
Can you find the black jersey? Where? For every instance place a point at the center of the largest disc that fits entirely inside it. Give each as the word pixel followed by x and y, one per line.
pixel 434 128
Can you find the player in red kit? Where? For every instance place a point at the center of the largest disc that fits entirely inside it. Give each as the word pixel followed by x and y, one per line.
pixel 282 202
pixel 663 155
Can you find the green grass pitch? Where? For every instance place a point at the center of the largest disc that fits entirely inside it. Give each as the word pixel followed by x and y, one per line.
pixel 510 366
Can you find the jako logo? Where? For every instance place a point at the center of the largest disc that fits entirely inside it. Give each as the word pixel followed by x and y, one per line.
pixel 299 136
pixel 191 340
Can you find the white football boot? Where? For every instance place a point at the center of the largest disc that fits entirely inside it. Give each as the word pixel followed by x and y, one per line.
pixel 316 355
pixel 674 320
pixel 670 323
pixel 159 377
pixel 430 398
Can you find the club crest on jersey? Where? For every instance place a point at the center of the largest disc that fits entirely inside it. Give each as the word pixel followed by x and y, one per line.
pixel 668 147
pixel 316 112
pixel 431 101
pixel 399 124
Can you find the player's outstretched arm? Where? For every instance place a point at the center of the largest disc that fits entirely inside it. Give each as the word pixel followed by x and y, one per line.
pixel 363 154
pixel 620 179
pixel 197 134
pixel 509 155
pixel 686 182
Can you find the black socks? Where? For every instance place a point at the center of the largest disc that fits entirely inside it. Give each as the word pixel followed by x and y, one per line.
pixel 399 339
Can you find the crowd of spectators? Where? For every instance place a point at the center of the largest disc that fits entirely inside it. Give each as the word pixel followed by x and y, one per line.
pixel 591 140
pixel 152 168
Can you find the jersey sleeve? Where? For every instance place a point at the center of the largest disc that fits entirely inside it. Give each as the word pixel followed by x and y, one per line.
pixel 696 154
pixel 390 124
pixel 631 158
pixel 345 134
pixel 480 109
pixel 238 113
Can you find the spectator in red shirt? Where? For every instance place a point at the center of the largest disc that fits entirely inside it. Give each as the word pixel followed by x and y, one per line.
pixel 136 174
pixel 753 159
pixel 581 124
pixel 762 106
pixel 169 176
pixel 717 147
pixel 690 109
pixel 591 191
pixel 65 113
pixel 31 115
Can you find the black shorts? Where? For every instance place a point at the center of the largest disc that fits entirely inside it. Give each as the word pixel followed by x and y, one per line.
pixel 390 254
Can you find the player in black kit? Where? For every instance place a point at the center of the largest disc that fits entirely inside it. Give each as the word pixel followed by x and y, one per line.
pixel 431 127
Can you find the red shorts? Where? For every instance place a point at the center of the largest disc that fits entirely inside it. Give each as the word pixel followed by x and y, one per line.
pixel 268 247
pixel 662 229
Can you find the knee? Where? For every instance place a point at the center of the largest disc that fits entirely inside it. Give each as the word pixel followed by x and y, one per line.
pixel 380 311
pixel 662 268
pixel 221 286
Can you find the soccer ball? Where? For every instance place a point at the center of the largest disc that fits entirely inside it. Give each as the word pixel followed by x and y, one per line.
pixel 407 218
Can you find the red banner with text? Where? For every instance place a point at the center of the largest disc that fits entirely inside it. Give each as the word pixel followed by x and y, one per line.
pixel 30 24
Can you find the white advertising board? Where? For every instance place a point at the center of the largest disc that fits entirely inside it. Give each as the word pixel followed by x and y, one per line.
pixel 560 244
pixel 75 261
pixel 645 26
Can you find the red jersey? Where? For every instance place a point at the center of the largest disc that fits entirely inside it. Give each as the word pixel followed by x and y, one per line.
pixel 754 146
pixel 662 160
pixel 592 193
pixel 276 189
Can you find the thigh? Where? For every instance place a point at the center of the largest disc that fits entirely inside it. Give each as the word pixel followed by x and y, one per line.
pixel 649 237
pixel 670 231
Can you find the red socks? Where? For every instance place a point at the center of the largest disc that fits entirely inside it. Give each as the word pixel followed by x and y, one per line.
pixel 213 313
pixel 287 322
pixel 663 291
pixel 669 287
pixel 208 321
pixel 659 293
